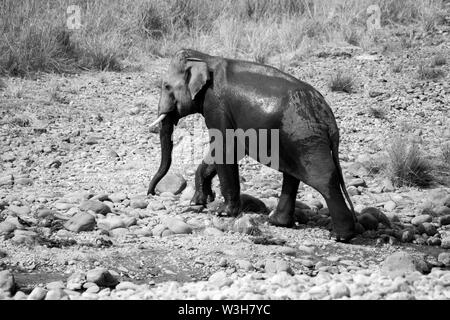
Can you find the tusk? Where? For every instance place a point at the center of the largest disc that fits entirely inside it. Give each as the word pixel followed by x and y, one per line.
pixel 161 118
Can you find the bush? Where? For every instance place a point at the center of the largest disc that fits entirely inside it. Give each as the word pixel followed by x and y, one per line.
pixel 341 82
pixel 378 113
pixel 406 165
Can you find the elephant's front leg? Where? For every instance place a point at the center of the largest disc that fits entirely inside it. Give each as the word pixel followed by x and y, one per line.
pixel 230 188
pixel 203 184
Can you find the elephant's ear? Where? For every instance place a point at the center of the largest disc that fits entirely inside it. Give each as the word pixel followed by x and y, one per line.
pixel 199 75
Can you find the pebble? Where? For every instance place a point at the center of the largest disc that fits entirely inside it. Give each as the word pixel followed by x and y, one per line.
pixel 7 227
pixel 429 229
pixel 101 277
pixel 408 236
pixel 444 258
pixel 442 211
pixel 398 264
pixel 421 219
pixel 7 282
pixel 275 266
pixel 96 206
pixel 93 289
pixel 38 293
pixel 177 226
pixel 82 221
pixel 126 285
pixel 118 197
pixel 339 290
pixel 220 279
pixel 76 280
pixel 173 183
pixel 138 203
pixel 55 294
pixel 210 231
pixel 390 205
pixel 55 285
pixel 21 211
pixel 110 223
pixel 445 220
pixel 244 265
pixel 158 230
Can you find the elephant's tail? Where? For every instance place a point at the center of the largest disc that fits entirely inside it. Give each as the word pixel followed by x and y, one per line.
pixel 335 154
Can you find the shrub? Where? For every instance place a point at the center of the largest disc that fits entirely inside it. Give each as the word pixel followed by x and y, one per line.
pixel 429 73
pixel 341 82
pixel 378 113
pixel 406 165
pixel 438 60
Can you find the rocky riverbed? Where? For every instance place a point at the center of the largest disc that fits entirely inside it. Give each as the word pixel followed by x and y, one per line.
pixel 76 156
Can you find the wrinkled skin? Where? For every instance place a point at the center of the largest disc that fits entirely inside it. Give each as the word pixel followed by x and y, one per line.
pixel 233 94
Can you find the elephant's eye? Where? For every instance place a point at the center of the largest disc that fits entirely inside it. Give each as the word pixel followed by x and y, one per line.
pixel 167 86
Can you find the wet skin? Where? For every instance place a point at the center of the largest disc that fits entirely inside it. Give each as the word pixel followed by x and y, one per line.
pixel 246 95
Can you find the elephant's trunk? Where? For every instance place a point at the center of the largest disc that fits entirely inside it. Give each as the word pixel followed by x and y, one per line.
pixel 165 134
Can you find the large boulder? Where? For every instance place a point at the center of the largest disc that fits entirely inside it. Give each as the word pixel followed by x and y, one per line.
pixel 173 183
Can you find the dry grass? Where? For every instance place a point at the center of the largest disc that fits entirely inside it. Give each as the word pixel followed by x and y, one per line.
pixel 34 36
pixel 378 113
pixel 445 149
pixel 341 82
pixel 438 60
pixel 406 165
pixel 425 72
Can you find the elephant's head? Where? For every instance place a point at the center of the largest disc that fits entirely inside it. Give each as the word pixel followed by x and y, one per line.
pixel 188 74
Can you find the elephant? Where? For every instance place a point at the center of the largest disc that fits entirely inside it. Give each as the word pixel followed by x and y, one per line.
pixel 237 94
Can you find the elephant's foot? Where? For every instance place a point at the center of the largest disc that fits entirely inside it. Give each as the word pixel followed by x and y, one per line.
pixel 281 219
pixel 230 209
pixel 201 198
pixel 344 232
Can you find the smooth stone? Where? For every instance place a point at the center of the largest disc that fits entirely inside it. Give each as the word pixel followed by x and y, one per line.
pixel 210 231
pixel 275 266
pixel 96 206
pixel 118 197
pixel 43 213
pixel 158 230
pixel 38 293
pixel 82 221
pixel 138 203
pixel 110 223
pixel 177 226
pixel 220 279
pixel 377 214
pixel 126 285
pixel 443 221
pixel 93 289
pixel 7 282
pixel 76 280
pixel 62 206
pixel 399 264
pixel 21 211
pixel 119 232
pixel 339 290
pixel 421 219
pixel 390 205
pixel 429 229
pixel 7 227
pixel 442 211
pixel 55 285
pixel 129 221
pixel 24 181
pixel 55 294
pixel 357 183
pixel 167 233
pixel 408 236
pixel 244 265
pixel 173 183
pixel 7 180
pixel 101 277
pixel 444 258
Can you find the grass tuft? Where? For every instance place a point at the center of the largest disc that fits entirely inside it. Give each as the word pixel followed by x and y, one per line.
pixel 341 82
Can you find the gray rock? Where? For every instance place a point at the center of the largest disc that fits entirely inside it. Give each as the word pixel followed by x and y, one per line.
pixel 82 221
pixel 7 282
pixel 429 229
pixel 213 232
pixel 390 205
pixel 76 281
pixel 138 203
pixel 167 233
pixel 177 226
pixel 21 211
pixel 24 237
pixel 445 220
pixel 387 186
pixel 408 236
pixel 173 183
pixel 244 265
pixel 7 228
pixel 101 277
pixel 44 213
pixel 119 232
pixel 110 223
pixel 357 183
pixel 442 211
pixel 118 197
pixel 399 264
pixel 158 230
pixel 55 294
pixel 368 221
pixel 24 181
pixel 20 295
pixel 276 266
pixel 220 279
pixel 96 206
pixel 7 180
pixel 246 225
pixel 55 285
pixel 129 221
pixel 421 219
pixel 339 290
pixel 38 293
pixel 353 191
pixel 126 285
pixel 445 241
pixel 444 258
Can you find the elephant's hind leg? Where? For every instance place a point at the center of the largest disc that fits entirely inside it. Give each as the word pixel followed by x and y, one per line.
pixel 323 175
pixel 283 216
pixel 203 184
